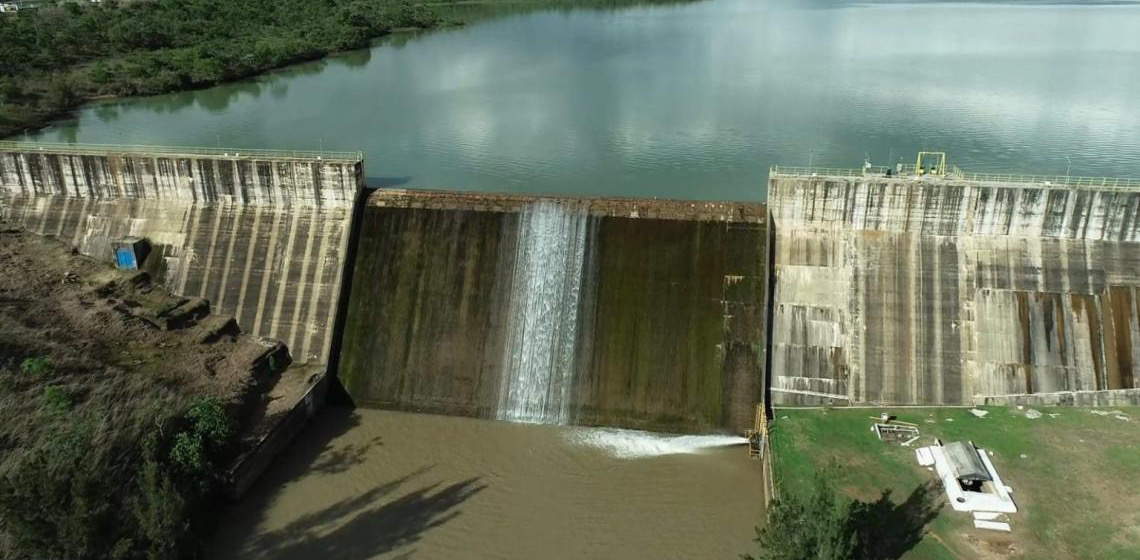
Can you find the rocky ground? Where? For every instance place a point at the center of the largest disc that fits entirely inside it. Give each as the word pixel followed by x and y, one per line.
pixel 88 334
pixel 81 315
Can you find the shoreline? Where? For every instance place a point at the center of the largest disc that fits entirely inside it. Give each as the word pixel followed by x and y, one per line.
pixel 50 119
pixel 33 118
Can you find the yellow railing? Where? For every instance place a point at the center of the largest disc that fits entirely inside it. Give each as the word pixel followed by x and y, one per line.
pixel 174 151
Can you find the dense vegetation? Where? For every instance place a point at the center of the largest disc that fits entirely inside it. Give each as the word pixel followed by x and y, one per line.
pixel 89 472
pixel 819 525
pixel 806 528
pixel 116 436
pixel 55 57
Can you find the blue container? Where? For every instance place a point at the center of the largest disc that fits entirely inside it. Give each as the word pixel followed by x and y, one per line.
pixel 129 252
pixel 125 258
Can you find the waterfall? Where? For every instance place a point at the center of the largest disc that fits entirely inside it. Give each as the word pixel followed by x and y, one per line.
pixel 538 369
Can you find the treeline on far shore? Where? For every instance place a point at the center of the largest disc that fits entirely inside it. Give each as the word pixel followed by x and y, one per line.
pixel 56 57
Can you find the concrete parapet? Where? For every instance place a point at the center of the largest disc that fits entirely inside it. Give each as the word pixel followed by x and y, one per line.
pixel 191 175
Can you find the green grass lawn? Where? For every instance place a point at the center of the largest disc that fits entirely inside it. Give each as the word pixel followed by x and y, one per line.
pixel 1077 487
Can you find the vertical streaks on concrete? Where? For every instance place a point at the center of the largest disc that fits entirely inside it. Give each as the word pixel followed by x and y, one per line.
pixel 318 288
pixel 228 258
pixel 299 301
pixel 961 288
pixel 267 272
pixel 220 209
pixel 284 268
pixel 250 250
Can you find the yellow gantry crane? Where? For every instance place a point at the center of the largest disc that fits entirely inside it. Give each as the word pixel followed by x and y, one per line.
pixel 930 163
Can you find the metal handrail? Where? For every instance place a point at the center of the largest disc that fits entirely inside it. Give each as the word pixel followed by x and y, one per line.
pixel 236 153
pixel 821 171
pixel 1061 181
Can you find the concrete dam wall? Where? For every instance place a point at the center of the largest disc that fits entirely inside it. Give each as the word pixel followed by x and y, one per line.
pixel 931 291
pixel 633 313
pixel 260 234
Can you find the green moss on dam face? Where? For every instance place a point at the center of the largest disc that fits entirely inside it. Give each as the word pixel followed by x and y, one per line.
pixel 666 350
pixel 669 331
pixel 422 330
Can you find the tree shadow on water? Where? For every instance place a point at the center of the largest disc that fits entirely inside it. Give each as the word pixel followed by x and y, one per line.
pixel 335 461
pixel 885 530
pixel 358 528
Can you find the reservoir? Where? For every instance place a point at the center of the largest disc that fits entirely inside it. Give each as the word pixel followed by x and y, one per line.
pixel 689 100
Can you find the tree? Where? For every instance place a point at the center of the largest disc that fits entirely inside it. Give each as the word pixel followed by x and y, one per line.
pixel 815 528
pixel 9 90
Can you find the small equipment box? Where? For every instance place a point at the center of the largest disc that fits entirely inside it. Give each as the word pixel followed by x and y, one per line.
pixel 130 252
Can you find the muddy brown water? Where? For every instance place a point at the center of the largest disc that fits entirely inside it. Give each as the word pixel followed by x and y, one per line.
pixel 360 484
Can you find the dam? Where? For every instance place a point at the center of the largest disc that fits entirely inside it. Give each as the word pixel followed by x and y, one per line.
pixel 636 313
pixel 951 288
pixel 598 356
pixel 848 287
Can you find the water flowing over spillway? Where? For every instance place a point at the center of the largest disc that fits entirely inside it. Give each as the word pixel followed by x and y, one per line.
pixel 543 315
pixel 645 314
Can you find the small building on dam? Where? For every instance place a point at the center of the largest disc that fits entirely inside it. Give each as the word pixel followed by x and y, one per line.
pixel 848 287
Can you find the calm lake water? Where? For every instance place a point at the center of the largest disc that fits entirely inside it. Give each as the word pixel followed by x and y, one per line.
pixel 689 101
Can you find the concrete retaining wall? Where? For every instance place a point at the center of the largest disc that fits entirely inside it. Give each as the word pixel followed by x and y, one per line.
pixel 249 466
pixel 261 235
pixel 932 291
pixel 671 333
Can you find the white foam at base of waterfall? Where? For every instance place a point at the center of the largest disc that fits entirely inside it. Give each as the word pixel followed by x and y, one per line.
pixel 634 444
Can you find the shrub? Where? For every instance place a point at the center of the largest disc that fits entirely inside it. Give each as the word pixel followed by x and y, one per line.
pixel 209 420
pixel 815 528
pixel 204 438
pixel 189 454
pixel 36 367
pixel 58 398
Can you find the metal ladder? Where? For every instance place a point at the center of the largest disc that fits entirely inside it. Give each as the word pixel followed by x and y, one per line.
pixel 758 434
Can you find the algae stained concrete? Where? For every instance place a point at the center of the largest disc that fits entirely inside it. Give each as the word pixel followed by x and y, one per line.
pixel 934 291
pixel 262 235
pixel 671 316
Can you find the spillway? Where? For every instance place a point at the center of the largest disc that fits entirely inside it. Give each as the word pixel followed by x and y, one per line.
pixel 608 312
pixel 543 317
